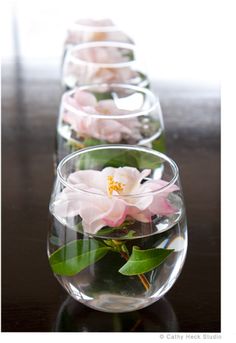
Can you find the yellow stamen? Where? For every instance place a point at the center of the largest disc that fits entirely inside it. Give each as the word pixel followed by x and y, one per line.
pixel 103 110
pixel 114 185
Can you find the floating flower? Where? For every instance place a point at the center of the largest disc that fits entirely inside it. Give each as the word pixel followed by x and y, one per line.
pixel 101 66
pixel 104 30
pixel 109 197
pixel 86 125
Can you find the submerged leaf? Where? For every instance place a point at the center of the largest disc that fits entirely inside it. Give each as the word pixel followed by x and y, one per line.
pixel 159 144
pixel 103 95
pixel 129 235
pixel 122 230
pixel 98 159
pixel 93 141
pixel 142 261
pixel 76 256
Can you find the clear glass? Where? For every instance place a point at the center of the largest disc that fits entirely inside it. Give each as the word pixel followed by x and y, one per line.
pixel 92 30
pixel 118 238
pixel 103 62
pixel 108 114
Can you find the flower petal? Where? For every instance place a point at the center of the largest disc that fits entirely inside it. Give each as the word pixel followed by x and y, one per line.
pixel 100 212
pixel 85 98
pixel 66 204
pixel 106 107
pixel 90 179
pixel 68 99
pixel 143 216
pixel 131 177
pixel 161 206
pixel 92 227
pixel 109 130
pixel 155 185
pixel 116 213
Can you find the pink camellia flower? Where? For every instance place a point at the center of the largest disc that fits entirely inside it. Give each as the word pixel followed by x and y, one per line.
pixel 104 30
pixel 93 72
pixel 100 54
pixel 86 125
pixel 108 197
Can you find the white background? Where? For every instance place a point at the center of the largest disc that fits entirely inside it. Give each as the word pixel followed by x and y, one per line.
pixel 180 39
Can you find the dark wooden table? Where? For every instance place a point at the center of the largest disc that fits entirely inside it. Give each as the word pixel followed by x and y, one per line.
pixel 32 299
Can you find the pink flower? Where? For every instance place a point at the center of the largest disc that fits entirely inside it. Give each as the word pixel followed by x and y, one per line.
pixel 104 30
pixel 104 198
pixel 95 73
pixel 100 54
pixel 85 124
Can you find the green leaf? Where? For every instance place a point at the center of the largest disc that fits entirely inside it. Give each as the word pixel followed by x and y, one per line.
pixel 99 159
pixel 123 159
pixel 142 261
pixel 107 231
pixel 159 144
pixel 129 235
pixel 146 160
pixel 73 145
pixel 124 226
pixel 103 95
pixel 79 227
pixel 76 256
pixel 92 142
pixel 144 82
pixel 128 53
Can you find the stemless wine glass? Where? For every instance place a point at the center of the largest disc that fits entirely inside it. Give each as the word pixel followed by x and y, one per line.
pixel 103 62
pixel 118 239
pixel 91 30
pixel 106 114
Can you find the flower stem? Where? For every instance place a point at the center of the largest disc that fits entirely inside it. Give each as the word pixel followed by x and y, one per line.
pixel 142 277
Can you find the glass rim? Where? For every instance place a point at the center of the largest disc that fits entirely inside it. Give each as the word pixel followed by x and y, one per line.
pixel 154 99
pixel 69 157
pixel 88 45
pixel 94 28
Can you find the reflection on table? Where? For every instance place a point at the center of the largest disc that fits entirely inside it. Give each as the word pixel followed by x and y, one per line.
pixel 75 317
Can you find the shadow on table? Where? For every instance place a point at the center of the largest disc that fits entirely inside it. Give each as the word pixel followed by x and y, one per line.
pixel 75 317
